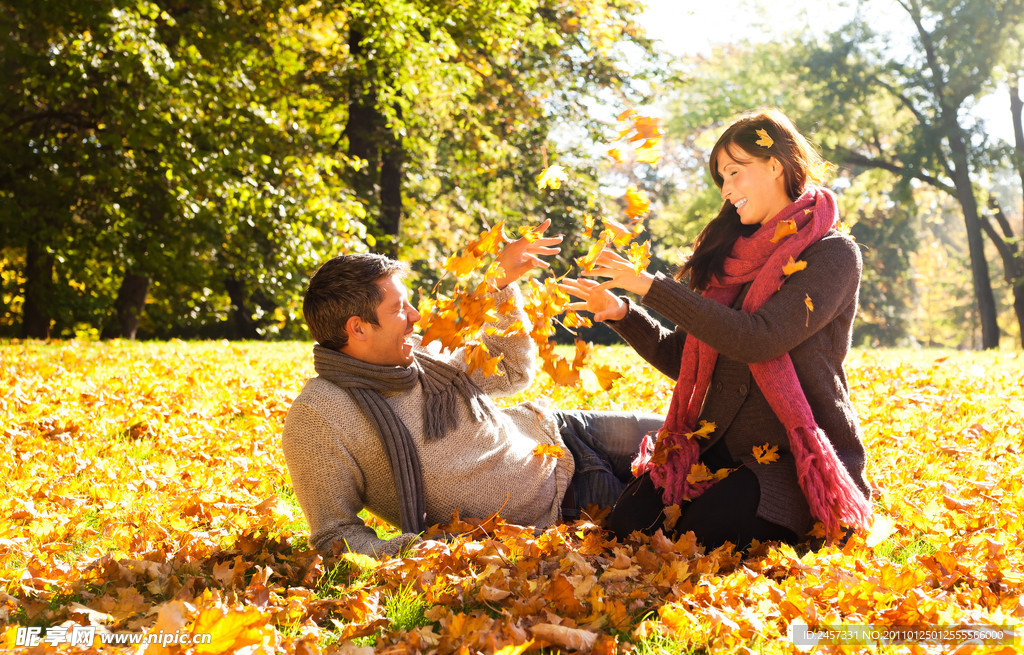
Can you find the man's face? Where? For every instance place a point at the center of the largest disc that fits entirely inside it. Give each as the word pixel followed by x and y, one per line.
pixel 388 342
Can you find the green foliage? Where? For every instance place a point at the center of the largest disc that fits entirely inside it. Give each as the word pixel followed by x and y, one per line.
pixel 213 150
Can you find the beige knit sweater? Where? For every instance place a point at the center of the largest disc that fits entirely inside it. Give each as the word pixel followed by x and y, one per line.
pixel 338 466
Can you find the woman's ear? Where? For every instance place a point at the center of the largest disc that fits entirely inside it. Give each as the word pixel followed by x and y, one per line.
pixel 776 166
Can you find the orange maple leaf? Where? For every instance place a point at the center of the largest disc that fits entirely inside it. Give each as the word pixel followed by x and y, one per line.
pixel 637 202
pixel 793 266
pixel 766 454
pixel 479 358
pixel 783 229
pixel 549 450
pixel 810 308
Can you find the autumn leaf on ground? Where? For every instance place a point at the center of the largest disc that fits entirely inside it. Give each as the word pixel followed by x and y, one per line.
pixel 558 635
pixel 793 266
pixel 766 454
pixel 549 450
pixel 639 256
pixel 783 229
pixel 552 177
pixel 765 141
pixel 672 514
pixel 637 202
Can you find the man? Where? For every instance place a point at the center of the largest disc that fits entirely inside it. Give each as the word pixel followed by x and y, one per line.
pixel 403 431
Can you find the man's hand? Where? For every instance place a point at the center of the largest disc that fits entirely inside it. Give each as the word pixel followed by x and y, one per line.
pixel 603 304
pixel 622 274
pixel 520 256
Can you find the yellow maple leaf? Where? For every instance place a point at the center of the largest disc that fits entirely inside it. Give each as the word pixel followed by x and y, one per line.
pixel 793 266
pixel 649 152
pixel 783 229
pixel 552 177
pixel 766 454
pixel 549 450
pixel 462 265
pixel 765 141
pixel 639 256
pixel 615 154
pixel 704 431
pixel 588 224
pixel 490 242
pixel 810 308
pixel 699 473
pixel 587 261
pixel 618 233
pixel 637 202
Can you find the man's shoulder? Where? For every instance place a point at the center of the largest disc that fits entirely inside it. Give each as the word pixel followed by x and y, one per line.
pixel 323 397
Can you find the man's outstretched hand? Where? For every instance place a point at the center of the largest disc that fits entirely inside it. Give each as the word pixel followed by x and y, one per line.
pixel 523 255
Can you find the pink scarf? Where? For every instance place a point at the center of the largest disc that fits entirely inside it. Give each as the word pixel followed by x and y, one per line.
pixel 832 494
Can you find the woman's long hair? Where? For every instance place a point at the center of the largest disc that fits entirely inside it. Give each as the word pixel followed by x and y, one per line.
pixel 800 162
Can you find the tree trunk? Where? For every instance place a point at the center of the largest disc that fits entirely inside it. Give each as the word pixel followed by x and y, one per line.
pixel 1013 258
pixel 242 325
pixel 131 299
pixel 391 194
pixel 379 183
pixel 975 239
pixel 1016 111
pixel 35 313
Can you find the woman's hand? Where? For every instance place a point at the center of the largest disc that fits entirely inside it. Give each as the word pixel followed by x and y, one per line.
pixel 603 304
pixel 622 274
pixel 521 256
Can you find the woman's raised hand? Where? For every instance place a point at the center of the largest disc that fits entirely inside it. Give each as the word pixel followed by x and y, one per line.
pixel 622 273
pixel 603 304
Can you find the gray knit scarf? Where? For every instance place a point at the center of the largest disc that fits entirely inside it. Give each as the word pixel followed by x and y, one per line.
pixel 441 382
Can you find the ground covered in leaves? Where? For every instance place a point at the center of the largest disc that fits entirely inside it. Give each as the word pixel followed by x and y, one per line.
pixel 145 492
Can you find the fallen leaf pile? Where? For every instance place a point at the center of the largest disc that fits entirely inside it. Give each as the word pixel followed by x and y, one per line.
pixel 145 491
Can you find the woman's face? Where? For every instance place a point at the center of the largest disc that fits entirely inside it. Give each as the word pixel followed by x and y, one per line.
pixel 755 187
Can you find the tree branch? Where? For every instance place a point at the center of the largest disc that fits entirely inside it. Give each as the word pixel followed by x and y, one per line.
pixel 855 158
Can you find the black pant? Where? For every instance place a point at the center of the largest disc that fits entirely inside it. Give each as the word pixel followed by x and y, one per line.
pixel 727 511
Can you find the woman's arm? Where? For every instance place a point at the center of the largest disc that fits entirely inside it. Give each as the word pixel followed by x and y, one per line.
pixel 830 282
pixel 661 347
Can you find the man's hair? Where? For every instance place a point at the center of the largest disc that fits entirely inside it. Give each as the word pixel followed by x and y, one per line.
pixel 343 287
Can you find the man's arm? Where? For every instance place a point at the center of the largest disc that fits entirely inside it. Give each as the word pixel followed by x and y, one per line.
pixel 330 486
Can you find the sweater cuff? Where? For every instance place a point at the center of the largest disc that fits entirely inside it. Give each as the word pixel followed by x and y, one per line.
pixel 634 326
pixel 673 300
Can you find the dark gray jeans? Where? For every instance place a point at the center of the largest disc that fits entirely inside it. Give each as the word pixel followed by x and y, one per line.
pixel 603 445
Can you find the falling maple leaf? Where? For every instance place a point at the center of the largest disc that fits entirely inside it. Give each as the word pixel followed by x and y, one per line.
pixel 766 454
pixel 639 256
pixel 793 266
pixel 765 141
pixel 810 308
pixel 637 203
pixel 552 177
pixel 588 225
pixel 586 262
pixel 615 154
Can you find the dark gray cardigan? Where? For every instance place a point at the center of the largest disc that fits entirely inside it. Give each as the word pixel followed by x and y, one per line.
pixel 817 342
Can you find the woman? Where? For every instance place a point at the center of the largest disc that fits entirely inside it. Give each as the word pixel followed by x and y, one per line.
pixel 757 354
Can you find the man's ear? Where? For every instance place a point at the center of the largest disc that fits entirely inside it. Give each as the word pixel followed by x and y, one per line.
pixel 356 328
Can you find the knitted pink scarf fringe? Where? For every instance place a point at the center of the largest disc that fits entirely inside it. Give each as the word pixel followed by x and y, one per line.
pixel 831 493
